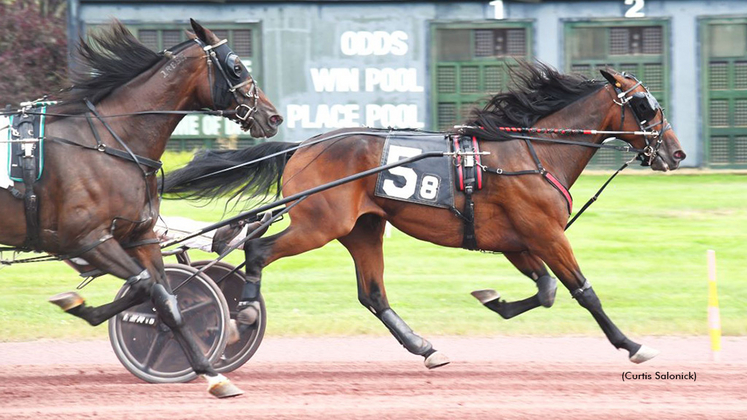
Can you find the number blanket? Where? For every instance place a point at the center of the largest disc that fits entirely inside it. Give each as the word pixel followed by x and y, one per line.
pixel 428 181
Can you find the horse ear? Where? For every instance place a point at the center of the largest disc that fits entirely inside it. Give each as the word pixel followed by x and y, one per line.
pixel 610 78
pixel 200 31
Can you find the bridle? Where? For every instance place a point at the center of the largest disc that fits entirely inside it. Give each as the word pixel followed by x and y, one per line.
pixel 645 108
pixel 220 56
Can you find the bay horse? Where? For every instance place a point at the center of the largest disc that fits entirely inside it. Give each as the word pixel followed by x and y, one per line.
pixel 98 196
pixel 522 217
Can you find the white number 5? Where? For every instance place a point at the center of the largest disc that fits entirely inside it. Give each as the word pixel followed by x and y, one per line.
pixel 397 153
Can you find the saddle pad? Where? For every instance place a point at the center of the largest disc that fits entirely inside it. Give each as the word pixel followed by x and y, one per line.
pixel 5 181
pixel 27 127
pixel 427 181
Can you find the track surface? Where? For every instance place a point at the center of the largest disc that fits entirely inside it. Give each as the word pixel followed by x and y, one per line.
pixel 374 378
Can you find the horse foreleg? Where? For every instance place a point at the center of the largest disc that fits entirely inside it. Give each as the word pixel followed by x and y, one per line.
pixel 532 267
pixel 147 281
pixel 364 243
pixel 558 255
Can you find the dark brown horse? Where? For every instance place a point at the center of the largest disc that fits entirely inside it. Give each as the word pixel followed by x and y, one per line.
pixel 521 216
pixel 98 193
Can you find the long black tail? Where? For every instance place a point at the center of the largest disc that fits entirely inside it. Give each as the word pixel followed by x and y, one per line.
pixel 199 180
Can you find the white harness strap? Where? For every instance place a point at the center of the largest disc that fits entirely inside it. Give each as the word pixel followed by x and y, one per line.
pixel 5 181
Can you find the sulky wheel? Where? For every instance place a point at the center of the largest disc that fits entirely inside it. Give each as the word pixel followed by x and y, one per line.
pixel 231 283
pixel 147 347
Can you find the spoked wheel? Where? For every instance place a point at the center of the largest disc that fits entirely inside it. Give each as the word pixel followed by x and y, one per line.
pixel 231 283
pixel 148 348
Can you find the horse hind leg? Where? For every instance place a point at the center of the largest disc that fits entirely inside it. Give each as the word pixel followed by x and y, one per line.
pixel 364 243
pixel 532 267
pixel 308 230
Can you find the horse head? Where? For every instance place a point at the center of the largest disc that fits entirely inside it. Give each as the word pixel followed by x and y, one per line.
pixel 232 87
pixel 640 111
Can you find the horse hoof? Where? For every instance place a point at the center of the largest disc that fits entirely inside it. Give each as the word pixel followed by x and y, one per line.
pixel 644 354
pixel 233 333
pixel 486 295
pixel 67 300
pixel 248 315
pixel 547 286
pixel 436 359
pixel 221 387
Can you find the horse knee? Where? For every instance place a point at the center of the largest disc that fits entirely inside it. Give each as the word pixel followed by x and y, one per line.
pixel 166 306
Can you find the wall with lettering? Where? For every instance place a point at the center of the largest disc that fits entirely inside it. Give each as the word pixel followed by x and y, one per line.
pixel 340 64
pixel 365 71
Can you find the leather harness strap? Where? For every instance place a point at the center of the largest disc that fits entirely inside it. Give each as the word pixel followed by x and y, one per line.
pixel 153 164
pixel 467 146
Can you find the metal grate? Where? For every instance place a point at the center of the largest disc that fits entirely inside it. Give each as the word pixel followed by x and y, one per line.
pixel 469 79
pixel 740 149
pixel 516 42
pixel 446 80
pixel 149 38
pixel 583 69
pixel 493 78
pixel 740 75
pixel 244 143
pixel 719 113
pixel 605 157
pixel 174 145
pixel 221 33
pixel 636 40
pixel 652 40
pixel 447 115
pixel 242 42
pixel 598 68
pixel 171 38
pixel 740 113
pixel 654 76
pixel 719 150
pixel 630 69
pixel 619 41
pixel 484 43
pixel 465 110
pixel 500 42
pixel 192 144
pixel 719 75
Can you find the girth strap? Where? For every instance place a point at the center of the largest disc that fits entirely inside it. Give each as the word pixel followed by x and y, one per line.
pixel 31 204
pixel 469 176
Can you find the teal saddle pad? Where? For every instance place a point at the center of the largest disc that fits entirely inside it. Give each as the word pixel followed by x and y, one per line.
pixel 25 126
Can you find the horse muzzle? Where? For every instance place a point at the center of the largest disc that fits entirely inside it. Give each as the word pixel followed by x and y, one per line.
pixel 670 163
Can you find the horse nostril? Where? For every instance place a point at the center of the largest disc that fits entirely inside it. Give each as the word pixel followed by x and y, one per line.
pixel 276 120
pixel 679 155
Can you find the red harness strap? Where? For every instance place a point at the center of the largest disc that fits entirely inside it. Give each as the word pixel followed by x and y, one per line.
pixel 560 187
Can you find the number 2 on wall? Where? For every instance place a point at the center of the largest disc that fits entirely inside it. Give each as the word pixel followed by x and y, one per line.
pixel 635 9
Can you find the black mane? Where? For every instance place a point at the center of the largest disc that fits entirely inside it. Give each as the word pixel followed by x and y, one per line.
pixel 110 58
pixel 538 90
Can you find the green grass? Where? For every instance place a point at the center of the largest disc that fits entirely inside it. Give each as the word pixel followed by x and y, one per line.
pixel 642 245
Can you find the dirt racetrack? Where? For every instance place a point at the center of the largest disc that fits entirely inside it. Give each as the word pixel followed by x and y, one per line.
pixel 374 378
